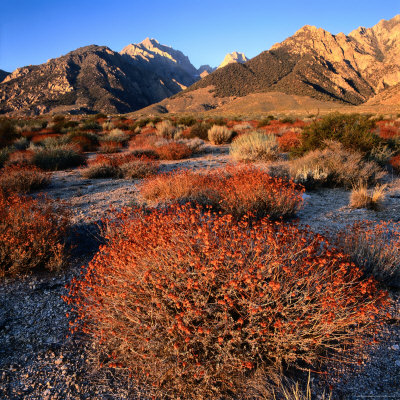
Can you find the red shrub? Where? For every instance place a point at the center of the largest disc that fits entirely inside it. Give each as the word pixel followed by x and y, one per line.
pixel 110 147
pixel 199 307
pixel 289 140
pixel 173 151
pixel 32 234
pixel 236 191
pixel 21 157
pixel 395 163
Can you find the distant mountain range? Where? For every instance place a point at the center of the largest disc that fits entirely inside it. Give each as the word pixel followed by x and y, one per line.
pixel 362 67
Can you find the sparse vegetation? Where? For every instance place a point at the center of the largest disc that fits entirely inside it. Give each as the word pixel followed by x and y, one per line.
pixel 57 157
pixel 361 197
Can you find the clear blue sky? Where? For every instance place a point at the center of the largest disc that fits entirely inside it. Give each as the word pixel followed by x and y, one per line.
pixel 32 31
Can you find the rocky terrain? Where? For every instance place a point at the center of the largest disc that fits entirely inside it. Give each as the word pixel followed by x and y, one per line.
pixel 233 57
pixel 349 70
pixel 95 78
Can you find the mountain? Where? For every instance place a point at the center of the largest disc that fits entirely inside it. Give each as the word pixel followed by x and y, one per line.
pixel 205 70
pixel 95 78
pixel 349 69
pixel 170 64
pixel 234 57
pixel 3 74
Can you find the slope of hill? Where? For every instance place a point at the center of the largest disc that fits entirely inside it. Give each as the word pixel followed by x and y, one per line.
pixel 314 63
pixel 3 74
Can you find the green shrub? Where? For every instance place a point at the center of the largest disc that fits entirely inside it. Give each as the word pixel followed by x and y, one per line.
pixel 200 130
pixel 255 146
pixel 354 131
pixel 187 120
pixel 7 133
pixel 58 157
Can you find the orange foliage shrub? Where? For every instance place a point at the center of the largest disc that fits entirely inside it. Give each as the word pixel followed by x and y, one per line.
pixel 21 157
pixel 289 140
pixel 197 306
pixel 32 234
pixel 236 191
pixel 395 163
pixel 173 151
pixel 110 147
pixel 22 179
pixel 39 138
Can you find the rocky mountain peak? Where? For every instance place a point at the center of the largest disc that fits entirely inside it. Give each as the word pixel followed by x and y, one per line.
pixel 234 57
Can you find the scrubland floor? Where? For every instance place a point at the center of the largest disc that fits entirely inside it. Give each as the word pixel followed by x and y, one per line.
pixel 38 361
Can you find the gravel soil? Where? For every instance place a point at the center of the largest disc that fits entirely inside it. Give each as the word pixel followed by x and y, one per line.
pixel 39 361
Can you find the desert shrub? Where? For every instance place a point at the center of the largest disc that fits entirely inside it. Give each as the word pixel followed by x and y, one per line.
pixel 196 306
pixel 116 136
pixel 265 121
pixel 354 131
pixel 187 120
pixel 395 163
pixel 195 144
pixel 22 179
pixel 4 155
pixel 220 121
pixel 173 151
pixel 287 120
pixel 110 147
pixel 126 166
pixel 219 134
pixel 166 129
pixel 32 234
pixel 139 169
pixel 336 166
pixel 375 248
pixel 7 133
pixel 289 140
pixel 20 157
pixel 107 126
pixel 200 130
pixel 58 157
pixel 236 191
pixel 90 125
pixel 85 140
pixel 102 171
pixel 242 126
pixel 361 197
pixel 254 146
pixel 381 154
pixel 21 143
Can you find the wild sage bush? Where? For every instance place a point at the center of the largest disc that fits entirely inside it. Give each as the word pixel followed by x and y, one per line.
pixel 254 146
pixel 197 306
pixel 334 166
pixel 219 134
pixel 33 234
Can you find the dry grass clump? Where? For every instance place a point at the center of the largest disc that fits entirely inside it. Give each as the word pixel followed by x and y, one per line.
pixel 254 146
pixel 236 191
pixel 375 248
pixel 22 179
pixel 361 197
pixel 197 306
pixel 219 134
pixel 335 166
pixel 166 129
pixel 32 234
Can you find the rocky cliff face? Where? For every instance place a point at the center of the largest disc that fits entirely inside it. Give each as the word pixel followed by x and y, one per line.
pixel 171 65
pixel 313 62
pixel 205 70
pixel 89 79
pixel 95 78
pixel 232 58
pixel 3 74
